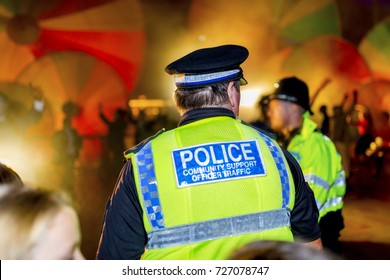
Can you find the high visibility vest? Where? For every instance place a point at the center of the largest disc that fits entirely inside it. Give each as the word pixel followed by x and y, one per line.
pixel 321 166
pixel 209 187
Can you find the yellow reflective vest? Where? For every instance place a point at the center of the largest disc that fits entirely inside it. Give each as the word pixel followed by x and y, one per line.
pixel 321 166
pixel 209 187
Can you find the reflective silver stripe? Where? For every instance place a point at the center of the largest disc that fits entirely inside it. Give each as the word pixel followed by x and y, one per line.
pixel 283 96
pixel 318 181
pixel 319 205
pixel 209 230
pixel 329 203
pixel 333 202
pixel 340 181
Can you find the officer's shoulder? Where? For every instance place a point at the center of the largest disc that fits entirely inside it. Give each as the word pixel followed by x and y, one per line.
pixel 321 136
pixel 268 133
pixel 140 145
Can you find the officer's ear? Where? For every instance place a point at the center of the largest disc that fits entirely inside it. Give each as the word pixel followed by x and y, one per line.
pixel 232 92
pixel 295 109
pixel 234 97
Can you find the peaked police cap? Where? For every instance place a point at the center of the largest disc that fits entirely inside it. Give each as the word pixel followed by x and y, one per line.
pixel 209 66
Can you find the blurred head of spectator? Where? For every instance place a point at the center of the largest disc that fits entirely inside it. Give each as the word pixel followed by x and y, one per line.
pixel 9 179
pixel 38 225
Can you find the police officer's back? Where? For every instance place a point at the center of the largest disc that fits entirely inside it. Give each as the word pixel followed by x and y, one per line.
pixel 211 185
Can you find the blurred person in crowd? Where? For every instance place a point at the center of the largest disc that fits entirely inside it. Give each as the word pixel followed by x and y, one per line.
pixel 70 109
pixel 383 129
pixel 325 124
pixel 147 125
pixel 38 225
pixel 151 120
pixel 213 174
pixel 142 130
pixel 344 133
pixel 67 144
pixel 289 114
pixel 382 140
pixel 262 122
pixel 279 250
pixel 378 148
pixel 365 127
pixel 115 139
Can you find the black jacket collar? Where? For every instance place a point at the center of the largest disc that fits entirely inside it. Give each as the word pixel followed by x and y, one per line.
pixel 203 113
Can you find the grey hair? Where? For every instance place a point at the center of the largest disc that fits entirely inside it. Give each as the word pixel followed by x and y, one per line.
pixel 208 96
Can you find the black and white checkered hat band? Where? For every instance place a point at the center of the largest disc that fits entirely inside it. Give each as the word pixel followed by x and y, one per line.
pixel 193 80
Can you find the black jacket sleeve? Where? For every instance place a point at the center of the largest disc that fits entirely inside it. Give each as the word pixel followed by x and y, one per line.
pixel 123 235
pixel 304 216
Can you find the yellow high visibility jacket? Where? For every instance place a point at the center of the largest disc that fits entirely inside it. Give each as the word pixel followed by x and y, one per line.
pixel 209 187
pixel 321 166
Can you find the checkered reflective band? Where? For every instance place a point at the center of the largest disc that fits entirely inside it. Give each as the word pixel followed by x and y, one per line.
pixel 148 184
pixel 188 80
pixel 282 169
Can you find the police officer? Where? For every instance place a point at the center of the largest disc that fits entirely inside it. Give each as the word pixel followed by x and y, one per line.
pixel 211 185
pixel 289 113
